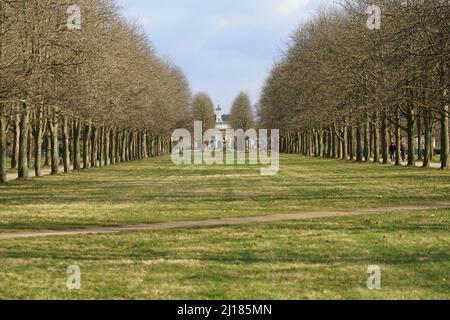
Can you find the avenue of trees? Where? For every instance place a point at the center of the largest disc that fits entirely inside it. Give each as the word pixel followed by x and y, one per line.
pixel 86 88
pixel 344 90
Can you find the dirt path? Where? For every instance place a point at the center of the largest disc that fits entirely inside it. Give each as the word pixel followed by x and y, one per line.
pixel 218 222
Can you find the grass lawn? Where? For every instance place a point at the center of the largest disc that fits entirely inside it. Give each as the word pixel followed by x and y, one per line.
pixel 315 259
pixel 154 190
pixel 312 259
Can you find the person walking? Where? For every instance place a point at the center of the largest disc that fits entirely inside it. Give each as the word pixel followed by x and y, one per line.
pixel 403 152
pixel 393 152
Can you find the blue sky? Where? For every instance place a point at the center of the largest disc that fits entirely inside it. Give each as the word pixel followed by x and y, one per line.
pixel 223 46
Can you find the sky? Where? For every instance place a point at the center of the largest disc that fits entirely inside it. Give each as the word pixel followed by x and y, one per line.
pixel 223 46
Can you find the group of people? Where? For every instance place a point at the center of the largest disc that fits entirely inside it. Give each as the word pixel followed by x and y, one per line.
pixel 393 152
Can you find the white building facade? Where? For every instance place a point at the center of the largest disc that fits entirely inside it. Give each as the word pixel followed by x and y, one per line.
pixel 222 120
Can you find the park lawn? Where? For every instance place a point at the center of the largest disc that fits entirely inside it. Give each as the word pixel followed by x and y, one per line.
pixel 155 190
pixel 312 259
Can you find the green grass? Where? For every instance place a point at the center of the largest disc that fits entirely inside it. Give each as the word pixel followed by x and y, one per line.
pixel 315 259
pixel 311 259
pixel 154 190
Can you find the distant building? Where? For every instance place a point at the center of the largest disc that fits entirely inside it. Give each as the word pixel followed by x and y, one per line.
pixel 223 124
pixel 222 120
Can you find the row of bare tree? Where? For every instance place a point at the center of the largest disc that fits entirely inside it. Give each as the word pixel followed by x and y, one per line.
pixel 344 89
pixel 83 86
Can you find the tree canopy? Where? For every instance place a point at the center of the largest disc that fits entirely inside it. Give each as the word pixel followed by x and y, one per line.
pixel 342 88
pixel 241 116
pixel 203 110
pixel 65 66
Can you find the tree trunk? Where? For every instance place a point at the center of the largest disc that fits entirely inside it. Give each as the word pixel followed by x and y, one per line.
pixel 384 139
pixel 339 146
pixel 76 145
pixel 48 150
pixel 371 140
pixel 333 143
pixel 151 146
pixel 38 135
pixel 124 146
pixel 158 145
pixel 316 143
pixel 351 143
pixel 29 146
pixel 94 155
pixel 66 153
pixel 118 147
pixel 366 150
pixel 302 142
pixel 141 145
pixel 145 145
pixel 376 140
pixel 359 144
pixel 445 161
pixel 71 144
pixel 398 138
pixel 429 150
pixel 128 143
pixel 345 143
pixel 54 130
pixel 143 148
pixel 23 143
pixel 411 126
pixel 2 149
pixel 112 151
pixel 107 146
pixel 329 144
pixel 16 141
pixel 122 153
pixel 130 146
pixel 86 147
pixel 320 143
pixel 419 135
pixel 445 101
pixel 101 146
pixel 135 146
pixel 325 143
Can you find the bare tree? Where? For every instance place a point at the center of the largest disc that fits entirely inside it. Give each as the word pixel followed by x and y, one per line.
pixel 241 116
pixel 344 90
pixel 97 91
pixel 203 110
